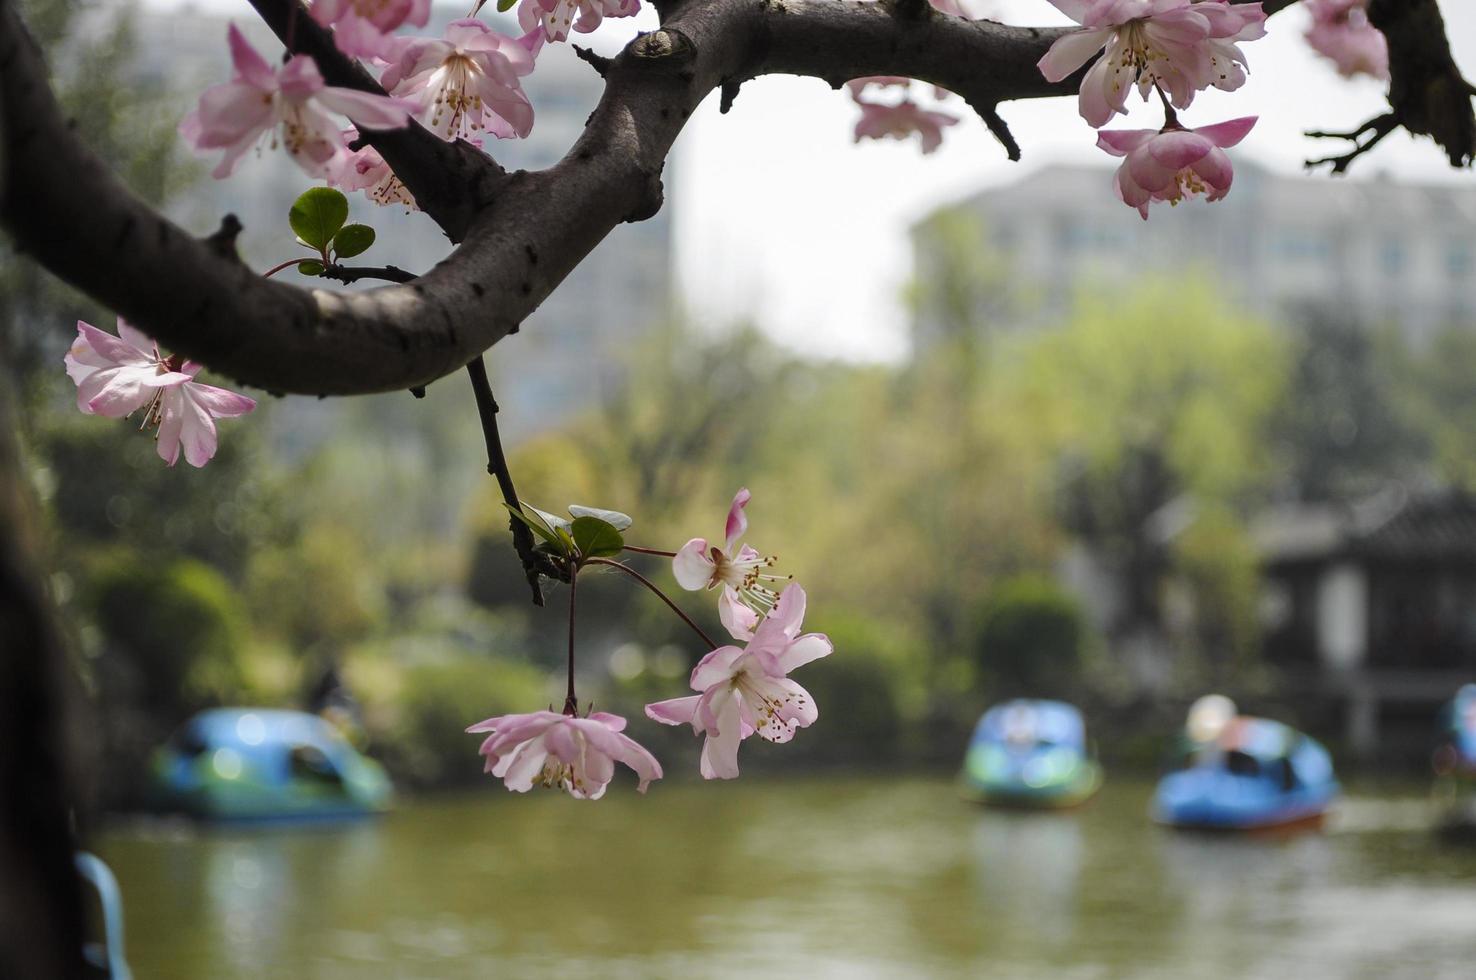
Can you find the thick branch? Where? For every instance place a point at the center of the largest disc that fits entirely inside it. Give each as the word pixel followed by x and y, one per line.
pixel 450 181
pixel 523 232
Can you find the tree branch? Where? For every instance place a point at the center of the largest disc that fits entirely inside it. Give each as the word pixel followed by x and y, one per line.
pixel 354 273
pixel 449 181
pixel 533 563
pixel 521 233
pixel 1427 94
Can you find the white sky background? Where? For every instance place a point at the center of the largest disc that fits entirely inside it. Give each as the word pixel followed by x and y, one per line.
pixel 782 220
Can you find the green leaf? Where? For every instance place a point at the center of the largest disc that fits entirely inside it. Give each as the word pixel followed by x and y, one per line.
pixel 317 215
pixel 567 541
pixel 503 6
pixel 552 520
pixel 310 267
pixel 596 538
pixel 538 526
pixel 613 518
pixel 351 240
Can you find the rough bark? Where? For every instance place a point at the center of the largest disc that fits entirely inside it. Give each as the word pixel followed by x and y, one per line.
pixel 41 918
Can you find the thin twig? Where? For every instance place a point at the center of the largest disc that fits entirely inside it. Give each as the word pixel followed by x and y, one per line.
pixel 650 551
pixel 280 266
pixel 349 273
pixel 663 596
pixel 571 703
pixel 497 466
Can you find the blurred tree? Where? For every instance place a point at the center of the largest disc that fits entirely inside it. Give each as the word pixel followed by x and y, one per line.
pixel 1341 429
pixel 316 594
pixel 1029 640
pixel 1440 400
pixel 178 625
pixel 1154 402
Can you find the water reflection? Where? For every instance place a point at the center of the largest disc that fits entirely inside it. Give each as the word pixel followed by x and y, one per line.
pixel 1026 870
pixel 814 878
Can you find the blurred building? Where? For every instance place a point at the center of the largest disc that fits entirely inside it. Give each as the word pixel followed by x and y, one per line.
pixel 1373 604
pixel 569 350
pixel 1388 252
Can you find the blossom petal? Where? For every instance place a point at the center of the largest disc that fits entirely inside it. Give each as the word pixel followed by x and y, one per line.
pixel 171 421
pixel 720 751
pixel 367 110
pixel 519 768
pixel 716 667
pixel 1121 142
pixel 737 619
pixel 692 567
pixel 810 647
pixel 1070 52
pixel 677 711
pixel 737 520
pixel 1228 133
pixel 219 402
pixel 249 65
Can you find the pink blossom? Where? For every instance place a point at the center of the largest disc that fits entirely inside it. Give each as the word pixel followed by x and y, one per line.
pixel 857 86
pixel 879 121
pixel 365 170
pixel 466 82
pixel 747 690
pixel 1181 46
pixel 1340 30
pixel 746 596
pixel 116 376
pixel 557 16
pixel 291 103
pixel 1175 163
pixel 361 28
pixel 574 754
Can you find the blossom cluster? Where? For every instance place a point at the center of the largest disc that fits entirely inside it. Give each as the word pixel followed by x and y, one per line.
pixel 118 375
pixel 743 688
pixel 466 84
pixel 905 116
pixel 1174 48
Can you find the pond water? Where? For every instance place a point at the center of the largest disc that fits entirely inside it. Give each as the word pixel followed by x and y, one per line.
pixel 822 877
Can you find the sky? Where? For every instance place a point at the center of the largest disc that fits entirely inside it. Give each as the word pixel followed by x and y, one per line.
pixel 781 220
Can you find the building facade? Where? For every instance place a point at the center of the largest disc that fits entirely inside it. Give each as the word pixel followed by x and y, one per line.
pixel 1385 252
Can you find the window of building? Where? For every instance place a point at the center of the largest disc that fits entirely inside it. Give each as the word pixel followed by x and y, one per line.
pixel 1458 260
pixel 1392 258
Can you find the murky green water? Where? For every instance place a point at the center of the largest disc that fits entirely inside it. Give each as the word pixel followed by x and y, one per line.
pixel 853 877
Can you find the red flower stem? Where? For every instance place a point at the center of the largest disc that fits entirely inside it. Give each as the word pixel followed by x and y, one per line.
pixel 663 596
pixel 650 551
pixel 571 705
pixel 1170 117
pixel 278 268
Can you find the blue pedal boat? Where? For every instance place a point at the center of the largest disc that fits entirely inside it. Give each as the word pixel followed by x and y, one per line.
pixel 1255 775
pixel 260 764
pixel 1030 753
pixel 1454 763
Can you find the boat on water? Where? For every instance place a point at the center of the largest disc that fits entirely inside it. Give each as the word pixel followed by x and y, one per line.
pixel 260 764
pixel 1454 763
pixel 1030 753
pixel 1252 774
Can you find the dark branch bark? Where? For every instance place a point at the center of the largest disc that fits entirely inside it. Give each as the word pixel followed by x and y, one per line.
pixel 355 273
pixel 450 181
pixel 533 563
pixel 41 911
pixel 521 233
pixel 1427 94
